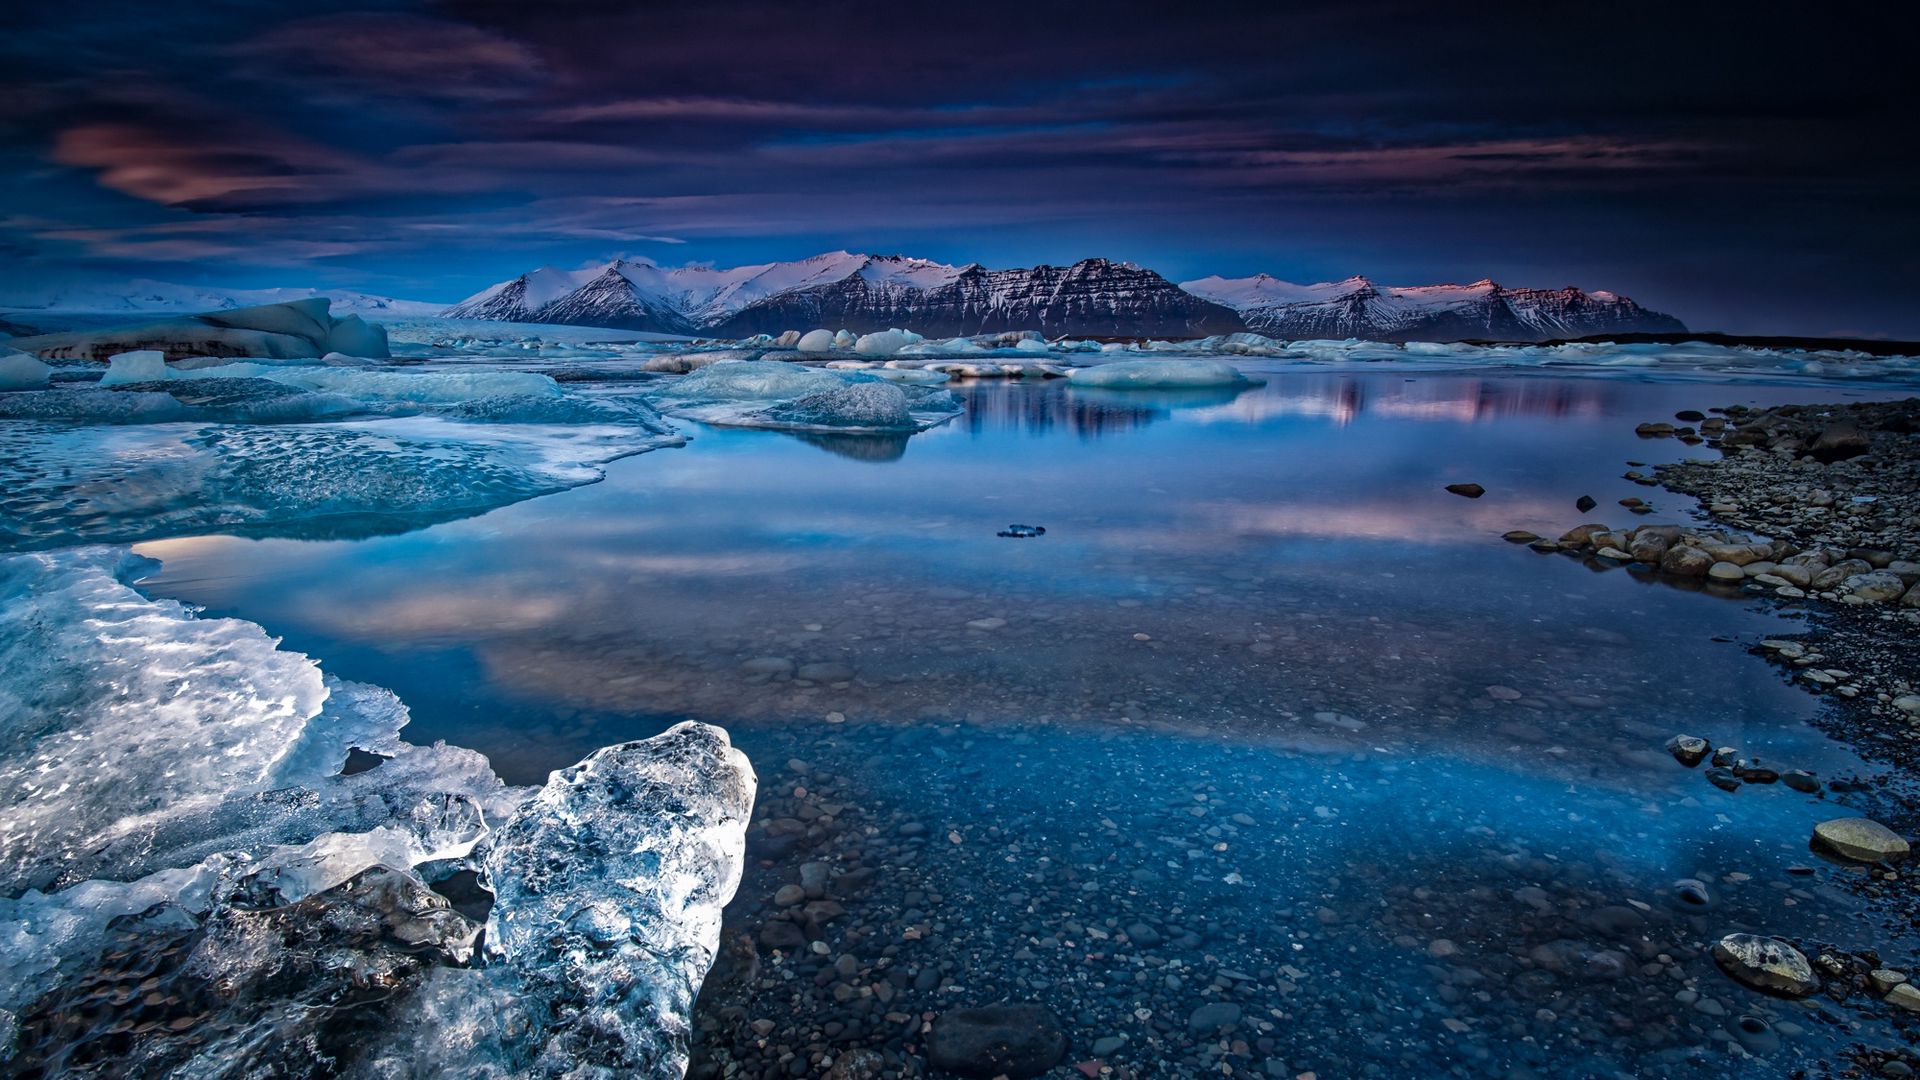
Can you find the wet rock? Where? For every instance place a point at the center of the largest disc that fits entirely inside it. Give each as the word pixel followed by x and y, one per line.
pixel 1905 996
pixel 1726 571
pixel 1584 503
pixel 1800 780
pixel 1688 750
pixel 1214 1016
pixel 826 672
pixel 1471 491
pixel 1766 964
pixel 1014 1040
pixel 768 665
pixel 1685 561
pixel 1519 536
pixel 1723 778
pixel 1861 839
pixel 1885 979
pixel 1755 1034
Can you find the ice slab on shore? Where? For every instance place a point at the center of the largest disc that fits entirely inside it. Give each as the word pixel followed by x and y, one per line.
pixel 183 825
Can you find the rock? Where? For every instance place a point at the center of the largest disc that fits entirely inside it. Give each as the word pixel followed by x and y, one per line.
pixel 1861 839
pixel 1213 1016
pixel 1838 442
pixel 1014 1040
pixel 789 895
pixel 1654 430
pixel 1688 750
pixel 1726 571
pixel 768 665
pixel 1904 996
pixel 1875 588
pixel 1581 535
pixel 1692 892
pixel 1908 703
pixel 1800 780
pixel 826 672
pixel 1798 576
pixel 1686 561
pixel 1723 778
pixel 1885 979
pixel 1471 491
pixel 862 1065
pixel 1584 503
pixel 1519 536
pixel 1839 572
pixel 1766 964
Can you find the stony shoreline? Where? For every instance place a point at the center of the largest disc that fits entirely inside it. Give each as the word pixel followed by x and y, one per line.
pixel 1817 506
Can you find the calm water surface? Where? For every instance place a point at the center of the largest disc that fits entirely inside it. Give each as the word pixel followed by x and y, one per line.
pixel 1267 720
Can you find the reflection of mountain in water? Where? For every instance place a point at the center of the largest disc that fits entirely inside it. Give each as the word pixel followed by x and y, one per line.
pixel 1456 399
pixel 1090 412
pixel 1038 408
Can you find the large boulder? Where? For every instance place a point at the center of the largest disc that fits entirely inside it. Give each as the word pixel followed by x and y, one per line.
pixel 1766 964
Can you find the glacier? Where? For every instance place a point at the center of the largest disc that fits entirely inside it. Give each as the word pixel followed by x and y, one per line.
pixel 193 881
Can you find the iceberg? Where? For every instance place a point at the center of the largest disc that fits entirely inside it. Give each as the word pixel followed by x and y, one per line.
pixel 815 341
pixel 19 371
pixel 1160 374
pixel 300 328
pixel 748 380
pixel 185 853
pixel 886 342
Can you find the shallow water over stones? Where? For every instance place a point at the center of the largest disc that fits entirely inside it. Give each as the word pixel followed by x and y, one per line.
pixel 1270 756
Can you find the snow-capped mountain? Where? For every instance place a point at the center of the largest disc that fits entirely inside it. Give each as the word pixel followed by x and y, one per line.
pixel 1483 310
pixel 167 297
pixel 1091 298
pixel 857 292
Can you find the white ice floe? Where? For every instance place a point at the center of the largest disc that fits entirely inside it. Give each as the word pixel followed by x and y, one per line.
pixel 1160 374
pixel 815 341
pixel 175 815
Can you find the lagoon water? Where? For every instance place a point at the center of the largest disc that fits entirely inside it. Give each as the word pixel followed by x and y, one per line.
pixel 1269 757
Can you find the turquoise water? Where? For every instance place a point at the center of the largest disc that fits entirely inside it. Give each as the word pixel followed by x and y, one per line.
pixel 1396 728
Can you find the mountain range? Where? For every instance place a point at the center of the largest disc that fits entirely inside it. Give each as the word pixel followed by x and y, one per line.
pixel 1091 298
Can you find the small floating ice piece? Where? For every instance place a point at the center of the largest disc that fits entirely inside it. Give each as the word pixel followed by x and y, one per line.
pixel 815 341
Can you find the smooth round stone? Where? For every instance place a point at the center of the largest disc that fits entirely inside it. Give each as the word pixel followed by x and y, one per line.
pixel 1861 839
pixel 1726 571
pixel 1766 964
pixel 1014 1040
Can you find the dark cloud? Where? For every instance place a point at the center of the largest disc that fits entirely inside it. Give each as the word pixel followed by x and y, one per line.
pixel 1742 167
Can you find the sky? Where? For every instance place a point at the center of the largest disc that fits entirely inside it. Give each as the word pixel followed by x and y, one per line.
pixel 1749 167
